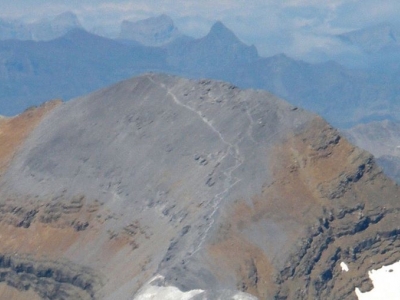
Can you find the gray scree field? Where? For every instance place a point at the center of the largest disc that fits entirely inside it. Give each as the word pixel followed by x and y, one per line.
pixel 194 185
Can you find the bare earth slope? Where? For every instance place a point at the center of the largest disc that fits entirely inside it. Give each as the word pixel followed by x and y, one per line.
pixel 160 181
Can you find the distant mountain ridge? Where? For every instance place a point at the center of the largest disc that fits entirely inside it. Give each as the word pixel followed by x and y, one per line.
pixel 63 68
pixel 155 32
pixel 42 30
pixel 219 49
pixel 343 96
pixel 375 38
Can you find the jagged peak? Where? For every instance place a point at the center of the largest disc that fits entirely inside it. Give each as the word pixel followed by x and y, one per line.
pixel 219 32
pixel 219 29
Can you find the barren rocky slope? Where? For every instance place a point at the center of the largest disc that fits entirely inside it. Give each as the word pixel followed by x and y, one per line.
pixel 382 139
pixel 161 182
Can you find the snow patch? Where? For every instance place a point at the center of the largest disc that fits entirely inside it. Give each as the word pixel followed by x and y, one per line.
pixel 166 293
pixel 154 290
pixel 243 296
pixel 344 267
pixel 386 284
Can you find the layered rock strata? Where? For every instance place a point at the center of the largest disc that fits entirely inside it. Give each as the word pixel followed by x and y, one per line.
pixel 213 189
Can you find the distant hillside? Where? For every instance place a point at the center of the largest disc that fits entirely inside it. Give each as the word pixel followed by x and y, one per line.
pixel 79 62
pixel 343 96
pixel 380 45
pixel 43 30
pixel 155 32
pixel 375 38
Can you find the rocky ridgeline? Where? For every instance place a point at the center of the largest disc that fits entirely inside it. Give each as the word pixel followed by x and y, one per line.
pixel 49 279
pixel 315 268
pixel 356 225
pixel 58 212
pixel 209 186
pixel 382 139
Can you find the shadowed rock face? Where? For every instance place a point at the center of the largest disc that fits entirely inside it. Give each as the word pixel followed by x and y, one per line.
pixel 160 181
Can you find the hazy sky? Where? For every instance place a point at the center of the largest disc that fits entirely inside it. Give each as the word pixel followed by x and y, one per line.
pixel 292 26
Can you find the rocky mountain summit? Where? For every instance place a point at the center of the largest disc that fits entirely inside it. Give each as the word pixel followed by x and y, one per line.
pixel 219 49
pixel 161 184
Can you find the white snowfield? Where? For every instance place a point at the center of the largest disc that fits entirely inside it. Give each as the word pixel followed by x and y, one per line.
pixel 154 290
pixel 151 291
pixel 386 284
pixel 166 293
pixel 344 267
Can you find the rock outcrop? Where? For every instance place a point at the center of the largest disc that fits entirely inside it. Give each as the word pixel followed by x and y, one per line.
pixel 382 139
pixel 160 183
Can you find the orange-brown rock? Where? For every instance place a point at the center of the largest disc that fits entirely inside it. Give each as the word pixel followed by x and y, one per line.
pixel 14 130
pixel 165 182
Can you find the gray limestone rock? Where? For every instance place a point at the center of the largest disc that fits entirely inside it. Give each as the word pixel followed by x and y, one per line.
pixel 197 185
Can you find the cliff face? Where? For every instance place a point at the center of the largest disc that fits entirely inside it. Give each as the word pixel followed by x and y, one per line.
pixel 162 182
pixel 328 203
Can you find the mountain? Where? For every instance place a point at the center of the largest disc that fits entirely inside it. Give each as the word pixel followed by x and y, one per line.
pixel 80 62
pixel 375 38
pixel 220 48
pixel 42 30
pixel 382 139
pixel 156 31
pixel 380 46
pixel 77 63
pixel 12 29
pixel 58 26
pixel 161 185
pixel 343 96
